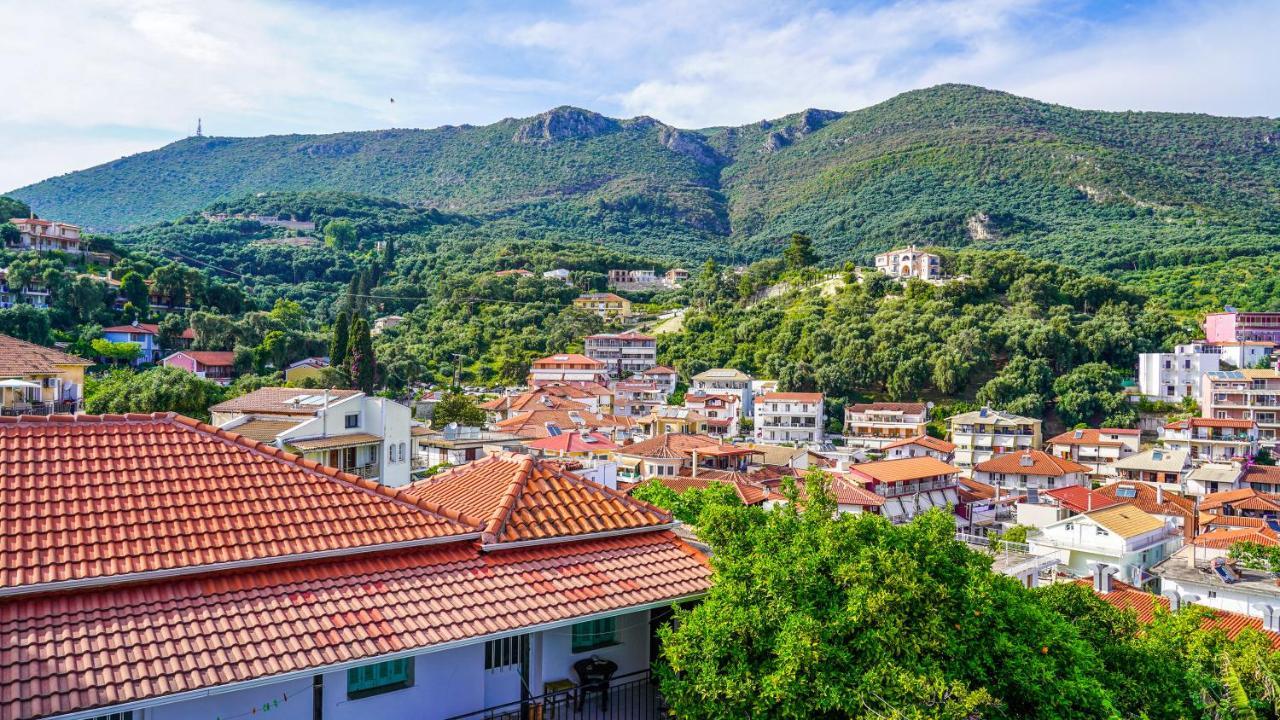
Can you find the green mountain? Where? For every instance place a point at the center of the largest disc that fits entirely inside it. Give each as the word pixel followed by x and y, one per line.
pixel 951 165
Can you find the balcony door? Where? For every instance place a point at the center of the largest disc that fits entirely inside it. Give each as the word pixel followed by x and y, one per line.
pixel 506 671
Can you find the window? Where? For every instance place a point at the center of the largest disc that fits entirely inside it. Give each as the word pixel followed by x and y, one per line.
pixel 1100 531
pixel 505 653
pixel 391 453
pixel 1213 594
pixel 126 715
pixel 404 452
pixel 352 420
pixel 379 678
pixel 595 634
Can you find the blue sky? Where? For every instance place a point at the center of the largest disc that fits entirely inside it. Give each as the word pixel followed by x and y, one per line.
pixel 107 78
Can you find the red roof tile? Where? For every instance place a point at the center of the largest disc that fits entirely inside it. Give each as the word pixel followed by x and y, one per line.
pixel 801 397
pixel 1241 499
pixel 1146 498
pixel 519 497
pixel 573 442
pixel 748 492
pixel 124 644
pixel 903 469
pixel 668 445
pixel 1040 463
pixel 1080 498
pixel 1224 538
pixel 277 401
pixel 102 496
pixel 210 358
pixel 1092 436
pixel 1143 604
pixel 925 441
pixel 19 358
pixel 908 408
pixel 533 424
pixel 1211 423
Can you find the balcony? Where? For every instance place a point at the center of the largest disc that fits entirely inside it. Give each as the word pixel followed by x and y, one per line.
pixel 65 407
pixel 368 471
pixel 629 697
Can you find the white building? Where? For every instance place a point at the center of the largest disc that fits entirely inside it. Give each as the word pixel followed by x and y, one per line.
pixel 721 410
pixel 1096 448
pixel 637 398
pixel 1030 470
pixel 560 274
pixel 1198 573
pixel 1212 439
pixel 664 376
pixel 46 235
pixel 875 425
pixel 910 262
pixel 344 429
pixel 1176 375
pixel 790 417
pixel 568 368
pixel 1119 536
pixel 920 447
pixel 1245 353
pixel 984 433
pixel 624 353
pixel 719 380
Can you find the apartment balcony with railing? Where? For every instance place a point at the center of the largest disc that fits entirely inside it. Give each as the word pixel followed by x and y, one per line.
pixel 627 697
pixel 784 423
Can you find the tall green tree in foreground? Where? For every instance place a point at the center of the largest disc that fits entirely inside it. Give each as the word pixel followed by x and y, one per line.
pixel 457 407
pixel 361 364
pixel 338 343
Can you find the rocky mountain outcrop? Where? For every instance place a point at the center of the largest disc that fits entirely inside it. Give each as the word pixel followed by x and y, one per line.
pixel 563 123
pixel 690 144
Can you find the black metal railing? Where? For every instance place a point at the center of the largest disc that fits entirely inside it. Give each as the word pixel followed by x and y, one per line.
pixel 628 697
pixel 63 407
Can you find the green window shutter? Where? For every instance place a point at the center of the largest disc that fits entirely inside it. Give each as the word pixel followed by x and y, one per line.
pixel 380 677
pixel 594 634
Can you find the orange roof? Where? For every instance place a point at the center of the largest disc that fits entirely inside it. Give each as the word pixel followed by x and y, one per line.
pixel 210 358
pixel 748 492
pixel 131 643
pixel 1145 498
pixel 574 443
pixel 659 370
pixel 519 497
pixel 103 496
pixel 925 441
pixel 1224 538
pixel 276 401
pixel 916 468
pixel 533 424
pixel 1265 474
pixel 1080 498
pixel 668 445
pixel 535 400
pixel 979 490
pixel 594 297
pixel 1093 436
pixel 19 358
pixel 791 397
pixel 1143 604
pixel 1241 499
pixel 1211 423
pixel 1208 520
pixel 1040 463
pixel 573 359
pixel 908 408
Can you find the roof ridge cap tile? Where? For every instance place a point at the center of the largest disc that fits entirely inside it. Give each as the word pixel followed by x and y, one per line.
pixel 618 494
pixel 506 506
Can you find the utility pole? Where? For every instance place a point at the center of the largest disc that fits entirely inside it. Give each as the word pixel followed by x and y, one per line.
pixel 199 129
pixel 457 368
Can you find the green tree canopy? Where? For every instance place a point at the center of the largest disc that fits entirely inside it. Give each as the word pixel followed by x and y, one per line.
pixel 455 407
pixel 159 389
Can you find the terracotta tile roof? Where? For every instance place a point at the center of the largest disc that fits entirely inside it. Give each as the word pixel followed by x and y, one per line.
pixel 1093 436
pixel 210 358
pixel 1125 520
pixel 263 429
pixel 1031 462
pixel 844 490
pixel 1241 499
pixel 600 296
pixel 1145 498
pixel 19 358
pixel 275 401
pixel 668 445
pixel 1210 423
pixel 571 359
pixel 130 643
pixel 1208 520
pixel 979 490
pixel 573 442
pixel 802 397
pixel 533 424
pixel 625 335
pixel 1143 604
pixel 659 370
pixel 1079 498
pixel 101 496
pixel 903 469
pixel 1267 474
pixel 748 492
pixel 519 497
pixel 1224 538
pixel 335 441
pixel 924 441
pixel 906 408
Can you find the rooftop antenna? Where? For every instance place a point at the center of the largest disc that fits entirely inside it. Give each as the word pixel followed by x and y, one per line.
pixel 199 129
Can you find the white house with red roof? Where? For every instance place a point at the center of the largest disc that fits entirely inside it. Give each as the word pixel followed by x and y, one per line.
pixel 909 486
pixel 875 425
pixel 215 365
pixel 666 377
pixel 624 353
pixel 147 335
pixel 569 368
pixel 1030 470
pixel 919 447
pixel 722 410
pixel 1212 439
pixel 790 417
pixel 1096 448
pixel 46 235
pixel 637 397
pixel 219 577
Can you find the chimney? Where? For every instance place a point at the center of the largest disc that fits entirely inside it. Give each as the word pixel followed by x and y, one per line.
pixel 1102 573
pixel 1159 493
pixel 1270 616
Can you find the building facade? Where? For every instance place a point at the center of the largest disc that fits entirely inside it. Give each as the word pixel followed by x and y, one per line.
pixel 569 368
pixel 984 433
pixel 1212 439
pixel 1096 448
pixel 1244 395
pixel 721 380
pixel 1030 471
pixel 1236 326
pixel 790 418
pixel 909 262
pixel 1119 536
pixel 607 306
pixel 214 365
pixel 36 380
pixel 625 353
pixel 874 425
pixel 46 236
pixel 1176 375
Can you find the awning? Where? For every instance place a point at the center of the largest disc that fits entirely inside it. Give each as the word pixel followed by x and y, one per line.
pixel 626 461
pixel 335 441
pixel 14 383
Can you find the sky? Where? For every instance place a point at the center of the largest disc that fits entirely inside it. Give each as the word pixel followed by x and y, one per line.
pixel 95 80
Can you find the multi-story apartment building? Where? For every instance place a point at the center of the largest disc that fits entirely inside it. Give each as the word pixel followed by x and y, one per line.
pixel 1212 439
pixel 568 368
pixel 625 353
pixel 791 417
pixel 34 293
pixel 606 305
pixel 344 429
pixel 909 262
pixel 982 434
pixel 664 376
pixel 45 235
pixel 720 409
pixel 721 380
pixel 874 425
pixel 1245 353
pixel 1235 326
pixel 1096 448
pixel 1176 375
pixel 909 486
pixel 637 398
pixel 1029 470
pixel 919 447
pixel 1244 395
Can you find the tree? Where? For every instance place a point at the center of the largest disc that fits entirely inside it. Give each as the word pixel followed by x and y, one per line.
pixel 361 364
pixel 9 235
pixel 117 352
pixel 687 506
pixel 134 289
pixel 339 340
pixel 799 254
pixel 340 234
pixel 25 323
pixel 160 389
pixel 455 407
pixel 288 313
pixel 1090 392
pixel 172 326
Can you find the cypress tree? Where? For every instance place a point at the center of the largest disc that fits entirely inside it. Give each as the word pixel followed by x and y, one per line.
pixel 362 366
pixel 338 344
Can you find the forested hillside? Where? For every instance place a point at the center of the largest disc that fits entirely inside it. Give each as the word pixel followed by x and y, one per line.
pixel 952 165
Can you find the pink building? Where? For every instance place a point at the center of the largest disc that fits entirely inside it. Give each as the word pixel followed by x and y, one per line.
pixel 218 366
pixel 1236 326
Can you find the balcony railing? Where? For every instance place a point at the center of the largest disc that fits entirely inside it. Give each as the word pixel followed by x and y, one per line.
pixel 369 471
pixel 67 407
pixel 628 697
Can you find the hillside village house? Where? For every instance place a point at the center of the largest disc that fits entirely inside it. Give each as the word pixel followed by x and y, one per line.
pixel 605 305
pixel 665 377
pixel 673 419
pixel 1157 466
pixel 1244 395
pixel 534 424
pixel 344 429
pixel 1029 471
pixel 1173 376
pixel 1246 353
pixel 456 445
pixel 36 380
pixel 1211 478
pixel 1212 439
pixel 909 262
pixel 909 487
pixel 147 336
pixel 556 396
pixel 34 293
pixel 792 417
pixel 1199 573
pixel 982 434
pixel 874 425
pixel 920 447
pixel 1236 326
pixel 1120 536
pixel 721 380
pixel 214 365
pixel 720 409
pixel 1096 448
pixel 637 398
pixel 311 368
pixel 45 236
pixel 319 593
pixel 666 455
pixel 1263 478
pixel 560 274
pixel 624 354
pixel 569 368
